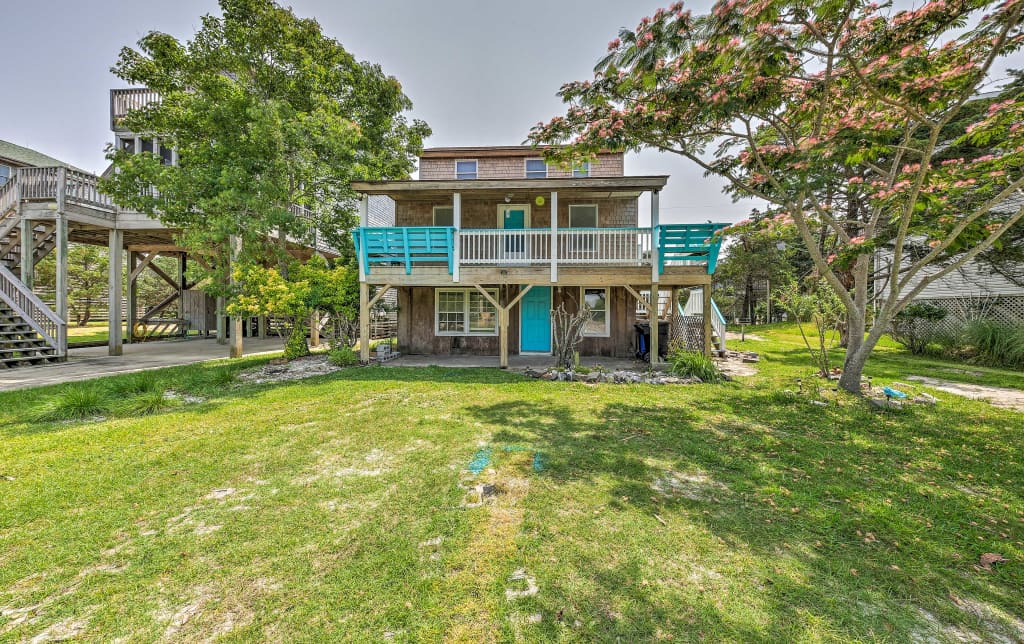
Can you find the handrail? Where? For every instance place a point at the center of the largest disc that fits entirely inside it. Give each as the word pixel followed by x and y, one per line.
pixel 123 101
pixel 695 306
pixel 34 311
pixel 9 194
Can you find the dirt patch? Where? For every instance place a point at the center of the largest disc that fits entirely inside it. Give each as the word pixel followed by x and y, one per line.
pixel 733 365
pixel 996 396
pixel 61 631
pixel 999 625
pixel 750 337
pixel 316 365
pixel 689 485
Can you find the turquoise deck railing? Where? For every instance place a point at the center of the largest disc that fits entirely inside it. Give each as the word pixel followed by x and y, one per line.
pixel 405 246
pixel 690 243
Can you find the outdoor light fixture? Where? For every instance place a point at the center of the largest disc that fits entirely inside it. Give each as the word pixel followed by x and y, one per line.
pixel 508 198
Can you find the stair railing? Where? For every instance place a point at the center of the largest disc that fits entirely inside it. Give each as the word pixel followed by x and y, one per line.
pixel 34 311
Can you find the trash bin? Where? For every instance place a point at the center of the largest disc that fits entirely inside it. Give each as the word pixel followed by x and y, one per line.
pixel 643 339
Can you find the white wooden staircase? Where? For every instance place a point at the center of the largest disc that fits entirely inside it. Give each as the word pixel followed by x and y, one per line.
pixel 695 307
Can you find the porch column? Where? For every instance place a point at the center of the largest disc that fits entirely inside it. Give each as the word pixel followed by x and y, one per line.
pixel 503 337
pixel 457 248
pixel 314 329
pixel 554 237
pixel 364 322
pixel 236 322
pixel 115 292
pixel 652 316
pixel 655 242
pixel 28 243
pixel 364 211
pixel 706 292
pixel 62 264
pixel 673 313
pixel 222 321
pixel 132 313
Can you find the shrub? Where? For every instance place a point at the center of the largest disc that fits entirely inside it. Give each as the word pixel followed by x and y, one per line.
pixel 914 326
pixel 149 402
pixel 343 357
pixel 296 346
pixel 76 402
pixel 996 343
pixel 143 382
pixel 206 379
pixel 690 364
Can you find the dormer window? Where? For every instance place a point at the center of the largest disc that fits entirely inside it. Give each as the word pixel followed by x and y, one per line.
pixel 536 169
pixel 465 169
pixel 581 171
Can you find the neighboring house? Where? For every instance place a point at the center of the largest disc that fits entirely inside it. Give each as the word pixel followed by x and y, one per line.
pixel 479 263
pixel 971 291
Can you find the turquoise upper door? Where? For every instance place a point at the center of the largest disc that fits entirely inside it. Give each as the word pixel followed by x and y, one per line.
pixel 514 218
pixel 535 320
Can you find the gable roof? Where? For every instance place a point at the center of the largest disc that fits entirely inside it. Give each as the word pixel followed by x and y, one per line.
pixel 27 156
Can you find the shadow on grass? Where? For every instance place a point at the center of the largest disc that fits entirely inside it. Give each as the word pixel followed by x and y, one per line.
pixel 877 515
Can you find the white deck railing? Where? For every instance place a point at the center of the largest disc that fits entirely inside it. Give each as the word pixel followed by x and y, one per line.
pixel 34 311
pixel 575 246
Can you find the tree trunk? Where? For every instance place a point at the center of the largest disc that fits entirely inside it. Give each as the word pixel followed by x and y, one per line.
pixel 857 356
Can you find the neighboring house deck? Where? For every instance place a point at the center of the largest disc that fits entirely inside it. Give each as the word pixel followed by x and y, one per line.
pixel 479 262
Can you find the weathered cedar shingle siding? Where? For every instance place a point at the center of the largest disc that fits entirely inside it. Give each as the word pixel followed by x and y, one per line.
pixel 611 213
pixel 514 167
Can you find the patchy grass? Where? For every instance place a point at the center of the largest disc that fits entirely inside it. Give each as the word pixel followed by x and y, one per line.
pixel 342 507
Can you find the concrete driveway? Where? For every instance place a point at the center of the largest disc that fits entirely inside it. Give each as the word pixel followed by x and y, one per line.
pixel 93 362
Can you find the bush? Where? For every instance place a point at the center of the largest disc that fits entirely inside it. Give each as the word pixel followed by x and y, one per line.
pixel 690 364
pixel 76 402
pixel 143 382
pixel 296 346
pixel 914 326
pixel 207 379
pixel 146 403
pixel 343 357
pixel 995 343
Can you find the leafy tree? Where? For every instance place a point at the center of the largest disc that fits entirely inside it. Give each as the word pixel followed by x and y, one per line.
pixel 87 279
pixel 820 306
pixel 833 113
pixel 271 121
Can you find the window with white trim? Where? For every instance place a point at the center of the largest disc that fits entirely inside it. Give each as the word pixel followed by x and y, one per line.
pixel 536 169
pixel 464 311
pixel 444 216
pixel 581 170
pixel 465 169
pixel 596 300
pixel 583 216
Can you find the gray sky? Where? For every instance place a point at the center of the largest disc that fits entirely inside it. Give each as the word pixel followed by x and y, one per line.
pixel 479 72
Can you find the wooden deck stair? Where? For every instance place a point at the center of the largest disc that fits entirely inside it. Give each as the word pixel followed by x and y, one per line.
pixel 20 343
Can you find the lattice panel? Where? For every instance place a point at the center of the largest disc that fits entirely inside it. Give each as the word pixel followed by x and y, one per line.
pixel 1006 309
pixel 687 330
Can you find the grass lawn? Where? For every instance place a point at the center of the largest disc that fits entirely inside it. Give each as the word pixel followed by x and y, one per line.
pixel 92 332
pixel 336 508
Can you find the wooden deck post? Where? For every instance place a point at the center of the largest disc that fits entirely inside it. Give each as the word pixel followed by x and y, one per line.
pixel 314 329
pixel 503 337
pixel 554 237
pixel 673 314
pixel 62 264
pixel 236 322
pixel 652 315
pixel 364 322
pixel 132 312
pixel 706 293
pixel 28 264
pixel 222 321
pixel 456 242
pixel 115 292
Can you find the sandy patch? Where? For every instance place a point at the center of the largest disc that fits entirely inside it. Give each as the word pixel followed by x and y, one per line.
pixel 695 486
pixel 61 631
pixel 315 365
pixel 996 396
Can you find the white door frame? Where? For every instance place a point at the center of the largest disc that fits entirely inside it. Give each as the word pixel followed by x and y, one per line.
pixel 502 207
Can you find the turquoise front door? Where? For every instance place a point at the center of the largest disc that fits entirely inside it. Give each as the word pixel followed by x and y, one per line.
pixel 535 320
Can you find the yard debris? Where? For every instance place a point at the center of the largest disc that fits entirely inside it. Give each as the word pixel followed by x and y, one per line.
pixel 618 377
pixel 307 367
pixel 480 494
pixel 819 403
pixel 925 399
pixel 986 560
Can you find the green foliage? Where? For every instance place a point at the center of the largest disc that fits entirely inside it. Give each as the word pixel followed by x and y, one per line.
pixel 343 357
pixel 143 382
pixel 914 326
pixel 995 343
pixel 75 402
pixel 208 380
pixel 266 112
pixel 819 305
pixel 87 279
pixel 693 364
pixel 296 346
pixel 146 403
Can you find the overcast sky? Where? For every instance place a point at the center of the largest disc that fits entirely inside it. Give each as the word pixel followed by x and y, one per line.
pixel 479 72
